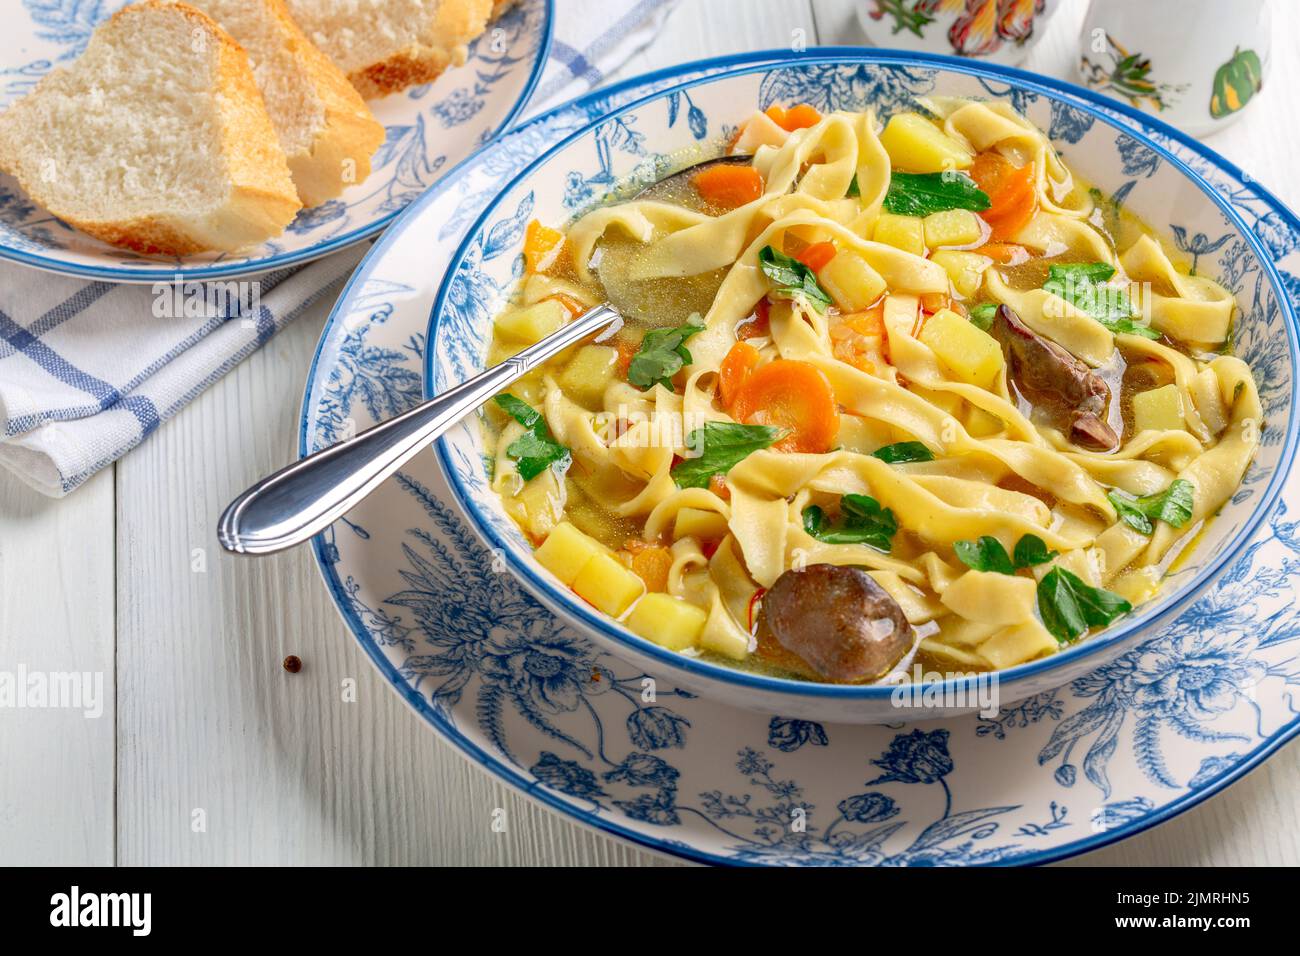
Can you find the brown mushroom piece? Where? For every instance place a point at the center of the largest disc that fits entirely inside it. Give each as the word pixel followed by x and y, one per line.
pixel 1073 396
pixel 838 621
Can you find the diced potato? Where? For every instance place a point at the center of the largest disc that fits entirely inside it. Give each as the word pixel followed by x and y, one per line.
pixel 991 597
pixel 566 551
pixel 852 283
pixel 982 424
pixel 916 145
pixel 1160 409
pixel 972 355
pixel 698 523
pixel 901 232
pixel 965 269
pixel 532 323
pixel 542 503
pixel 668 621
pixel 608 585
pixel 1021 642
pixel 953 657
pixel 585 377
pixel 952 227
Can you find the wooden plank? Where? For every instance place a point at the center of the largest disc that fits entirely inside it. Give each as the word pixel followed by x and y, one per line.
pixel 56 616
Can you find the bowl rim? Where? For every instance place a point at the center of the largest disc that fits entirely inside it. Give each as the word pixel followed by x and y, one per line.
pixel 571 608
pixel 246 268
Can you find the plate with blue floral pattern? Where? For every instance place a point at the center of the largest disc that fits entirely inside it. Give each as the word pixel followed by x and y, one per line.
pixel 429 130
pixel 1111 753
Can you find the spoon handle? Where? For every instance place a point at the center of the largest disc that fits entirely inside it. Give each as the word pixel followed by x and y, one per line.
pixel 288 507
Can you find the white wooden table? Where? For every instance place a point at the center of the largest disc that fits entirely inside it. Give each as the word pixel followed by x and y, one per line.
pixel 125 577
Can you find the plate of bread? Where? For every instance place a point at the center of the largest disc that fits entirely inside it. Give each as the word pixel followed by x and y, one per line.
pixel 150 140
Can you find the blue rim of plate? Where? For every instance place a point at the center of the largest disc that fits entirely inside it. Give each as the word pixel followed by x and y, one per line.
pixel 217 271
pixel 1151 616
pixel 532 788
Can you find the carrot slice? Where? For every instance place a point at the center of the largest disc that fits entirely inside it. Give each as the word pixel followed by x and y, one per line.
pixel 1004 253
pixel 796 117
pixel 858 339
pixel 934 301
pixel 627 350
pixel 801 117
pixel 729 186
pixel 1012 193
pixel 739 362
pixel 652 565
pixel 793 395
pixel 542 246
pixel 718 485
pixel 817 255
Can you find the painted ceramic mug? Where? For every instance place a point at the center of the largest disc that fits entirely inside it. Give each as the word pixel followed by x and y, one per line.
pixel 1000 31
pixel 1193 63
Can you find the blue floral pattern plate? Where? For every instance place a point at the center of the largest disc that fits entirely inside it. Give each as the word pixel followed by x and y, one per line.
pixel 429 130
pixel 1113 752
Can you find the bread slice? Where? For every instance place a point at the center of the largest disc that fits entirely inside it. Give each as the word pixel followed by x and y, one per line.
pixel 387 45
pixel 327 132
pixel 156 138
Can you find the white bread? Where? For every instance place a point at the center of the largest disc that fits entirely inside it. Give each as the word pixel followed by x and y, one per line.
pixel 387 45
pixel 327 132
pixel 155 139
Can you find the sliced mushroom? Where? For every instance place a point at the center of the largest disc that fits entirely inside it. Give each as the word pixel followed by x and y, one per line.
pixel 1073 396
pixel 838 621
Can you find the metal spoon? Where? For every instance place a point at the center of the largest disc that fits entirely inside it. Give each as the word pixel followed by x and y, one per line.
pixel 297 502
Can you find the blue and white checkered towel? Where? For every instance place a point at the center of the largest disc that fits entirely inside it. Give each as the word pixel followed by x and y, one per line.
pixel 89 370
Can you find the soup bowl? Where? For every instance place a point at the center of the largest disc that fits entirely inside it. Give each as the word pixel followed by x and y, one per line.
pixel 640 143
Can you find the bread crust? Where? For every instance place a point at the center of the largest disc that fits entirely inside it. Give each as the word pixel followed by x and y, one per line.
pixel 456 23
pixel 340 151
pixel 260 201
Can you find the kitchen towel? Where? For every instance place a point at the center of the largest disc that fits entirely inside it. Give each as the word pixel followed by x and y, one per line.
pixel 89 369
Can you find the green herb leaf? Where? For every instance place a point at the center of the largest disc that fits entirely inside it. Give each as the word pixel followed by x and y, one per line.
pixel 1130 513
pixel 536 449
pixel 902 452
pixel 1173 506
pixel 661 356
pixel 792 278
pixel 1031 551
pixel 982 316
pixel 721 446
pixel 1082 284
pixel 920 194
pixel 854 189
pixel 986 554
pixel 861 521
pixel 1069 606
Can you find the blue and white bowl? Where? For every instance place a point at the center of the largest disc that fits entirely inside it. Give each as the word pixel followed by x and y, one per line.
pixel 637 143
